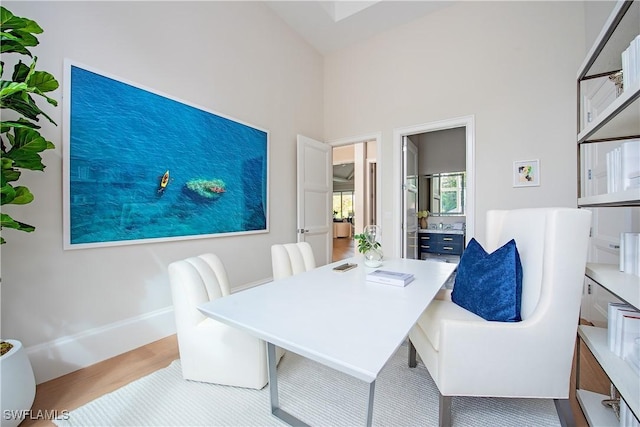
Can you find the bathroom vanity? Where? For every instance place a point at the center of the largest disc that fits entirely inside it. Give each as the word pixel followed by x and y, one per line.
pixel 441 242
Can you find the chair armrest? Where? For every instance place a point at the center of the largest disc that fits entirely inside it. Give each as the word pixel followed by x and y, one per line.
pixel 526 353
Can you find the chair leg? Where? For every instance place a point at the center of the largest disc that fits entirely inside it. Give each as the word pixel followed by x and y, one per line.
pixel 445 411
pixel 412 355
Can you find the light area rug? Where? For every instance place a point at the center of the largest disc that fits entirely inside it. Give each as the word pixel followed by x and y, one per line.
pixel 318 395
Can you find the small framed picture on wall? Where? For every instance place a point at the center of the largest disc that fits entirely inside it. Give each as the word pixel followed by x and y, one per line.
pixel 526 173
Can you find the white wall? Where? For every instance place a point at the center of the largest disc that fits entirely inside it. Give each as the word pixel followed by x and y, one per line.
pixel 73 308
pixel 511 64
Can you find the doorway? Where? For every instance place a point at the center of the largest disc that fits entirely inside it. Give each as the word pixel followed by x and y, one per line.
pixel 403 218
pixel 355 190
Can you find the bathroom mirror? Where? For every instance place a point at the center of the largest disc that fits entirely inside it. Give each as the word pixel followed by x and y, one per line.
pixel 442 194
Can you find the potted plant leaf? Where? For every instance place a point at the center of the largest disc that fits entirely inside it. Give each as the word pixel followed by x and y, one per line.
pixel 21 144
pixel 20 139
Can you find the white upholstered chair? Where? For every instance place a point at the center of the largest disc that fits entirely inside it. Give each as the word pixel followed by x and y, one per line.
pixel 211 351
pixel 469 356
pixel 291 258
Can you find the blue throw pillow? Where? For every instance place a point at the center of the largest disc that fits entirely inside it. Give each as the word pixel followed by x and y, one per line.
pixel 490 285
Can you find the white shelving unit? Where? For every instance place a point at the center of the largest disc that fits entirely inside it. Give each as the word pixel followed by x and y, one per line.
pixel 618 121
pixel 621 198
pixel 627 288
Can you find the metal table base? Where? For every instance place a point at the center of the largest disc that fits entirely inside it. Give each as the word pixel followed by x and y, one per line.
pixel 277 411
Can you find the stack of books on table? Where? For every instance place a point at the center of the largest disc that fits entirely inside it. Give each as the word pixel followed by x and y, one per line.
pixel 394 278
pixel 624 333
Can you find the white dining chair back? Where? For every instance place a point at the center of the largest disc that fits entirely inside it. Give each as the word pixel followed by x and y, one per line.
pixel 291 258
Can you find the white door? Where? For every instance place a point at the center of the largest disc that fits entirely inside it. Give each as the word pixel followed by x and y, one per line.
pixel 314 204
pixel 410 199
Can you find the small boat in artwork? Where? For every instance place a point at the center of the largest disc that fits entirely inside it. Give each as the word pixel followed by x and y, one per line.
pixel 164 181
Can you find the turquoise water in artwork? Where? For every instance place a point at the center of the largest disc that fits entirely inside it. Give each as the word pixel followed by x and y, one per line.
pixel 124 140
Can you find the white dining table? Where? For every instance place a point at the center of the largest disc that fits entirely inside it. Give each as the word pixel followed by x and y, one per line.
pixel 338 319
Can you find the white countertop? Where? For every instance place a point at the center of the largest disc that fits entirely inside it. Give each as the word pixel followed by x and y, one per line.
pixel 440 231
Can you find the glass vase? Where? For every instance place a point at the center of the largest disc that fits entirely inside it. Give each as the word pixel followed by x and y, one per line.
pixel 373 255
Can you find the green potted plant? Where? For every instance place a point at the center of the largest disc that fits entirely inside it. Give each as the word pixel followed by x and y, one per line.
pixel 363 244
pixel 20 140
pixel 369 246
pixel 21 145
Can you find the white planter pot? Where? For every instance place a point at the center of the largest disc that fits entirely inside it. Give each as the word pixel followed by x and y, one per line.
pixel 18 385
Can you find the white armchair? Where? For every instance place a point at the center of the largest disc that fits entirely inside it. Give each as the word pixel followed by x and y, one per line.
pixel 291 258
pixel 469 356
pixel 211 351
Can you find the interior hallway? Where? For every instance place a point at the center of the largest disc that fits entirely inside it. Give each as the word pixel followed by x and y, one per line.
pixel 343 247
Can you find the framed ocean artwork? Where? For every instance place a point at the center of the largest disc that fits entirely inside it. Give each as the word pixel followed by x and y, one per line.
pixel 140 166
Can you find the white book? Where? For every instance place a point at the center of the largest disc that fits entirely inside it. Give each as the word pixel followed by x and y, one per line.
pixel 636 41
pixel 630 331
pixel 633 63
pixel 626 83
pixel 612 313
pixel 387 277
pixel 635 365
pixel 626 76
pixel 622 254
pixel 630 162
pixel 618 169
pixel 633 68
pixel 630 253
pixel 624 413
pixel 618 329
pixel 609 172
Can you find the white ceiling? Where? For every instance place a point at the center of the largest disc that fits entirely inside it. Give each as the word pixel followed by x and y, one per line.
pixel 333 25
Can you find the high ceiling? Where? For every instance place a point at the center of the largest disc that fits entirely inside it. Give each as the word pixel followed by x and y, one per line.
pixel 333 25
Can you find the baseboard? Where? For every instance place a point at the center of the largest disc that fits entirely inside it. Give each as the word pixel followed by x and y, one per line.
pixel 67 354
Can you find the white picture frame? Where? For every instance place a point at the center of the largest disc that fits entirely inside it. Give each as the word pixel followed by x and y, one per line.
pixel 132 177
pixel 526 173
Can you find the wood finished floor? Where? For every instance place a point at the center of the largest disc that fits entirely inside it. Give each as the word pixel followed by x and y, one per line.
pixel 343 247
pixel 75 389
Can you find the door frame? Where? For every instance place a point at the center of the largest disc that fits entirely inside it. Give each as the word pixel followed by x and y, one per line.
pixel 409 223
pixel 377 137
pixel 468 122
